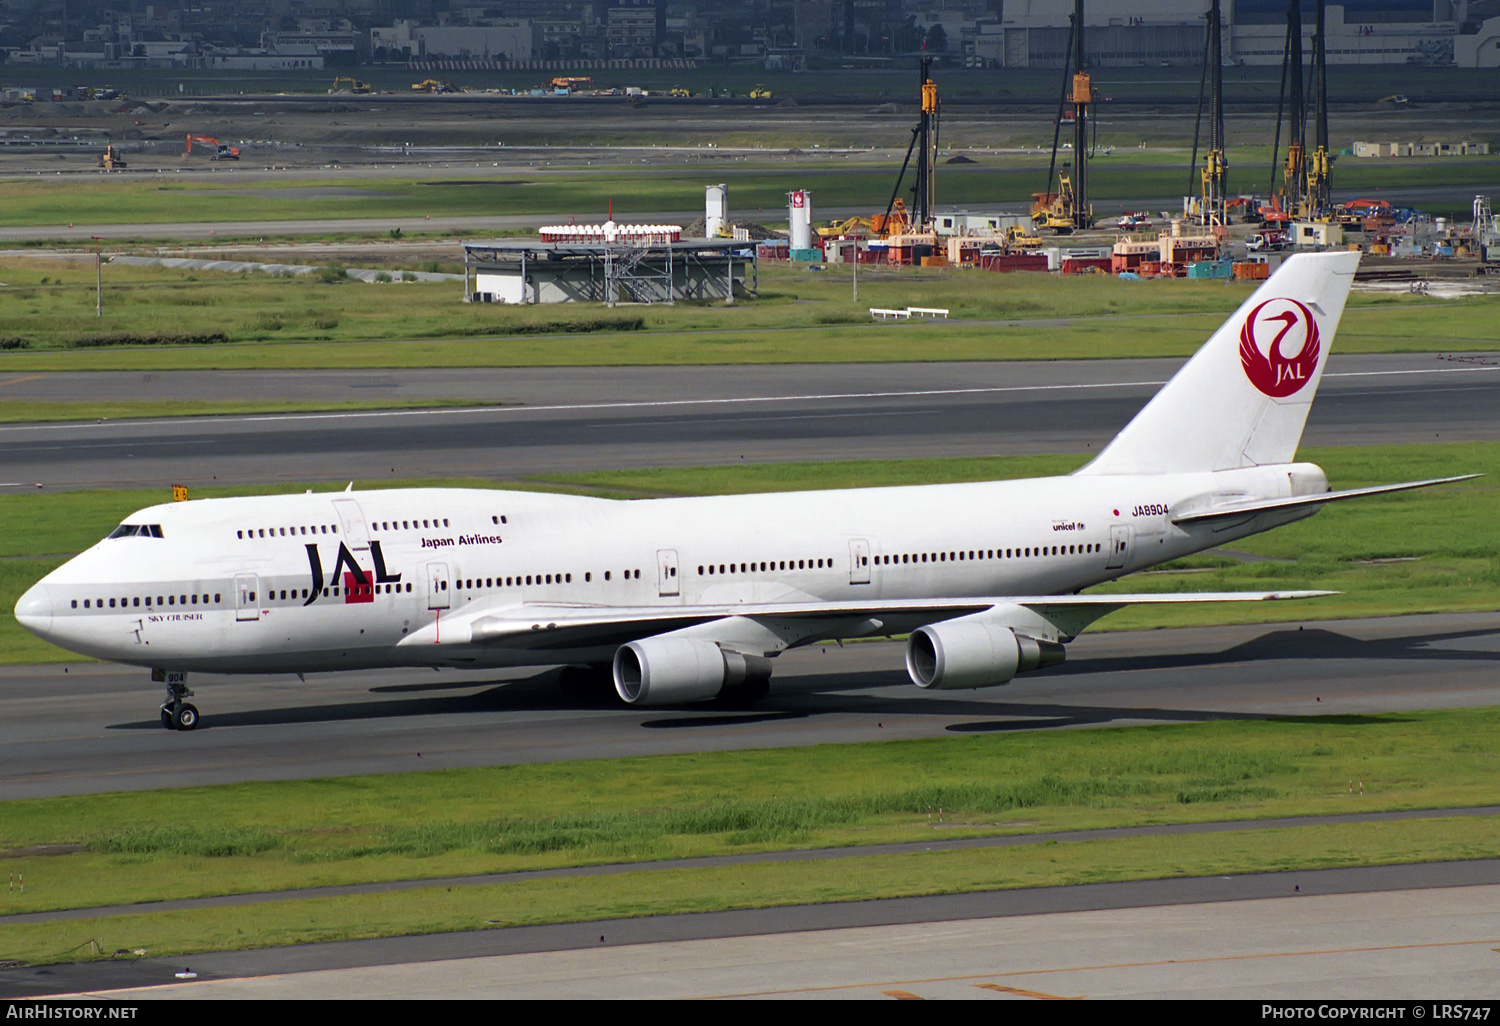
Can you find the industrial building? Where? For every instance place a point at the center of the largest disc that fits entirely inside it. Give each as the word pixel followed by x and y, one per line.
pixel 609 264
pixel 1127 33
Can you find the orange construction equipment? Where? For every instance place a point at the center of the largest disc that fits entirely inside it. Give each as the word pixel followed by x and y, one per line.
pixel 217 150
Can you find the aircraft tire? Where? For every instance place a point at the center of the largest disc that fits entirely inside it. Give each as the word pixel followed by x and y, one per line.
pixel 185 716
pixel 166 718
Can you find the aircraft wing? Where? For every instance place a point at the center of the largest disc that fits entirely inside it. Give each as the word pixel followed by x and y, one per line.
pixel 554 626
pixel 1240 509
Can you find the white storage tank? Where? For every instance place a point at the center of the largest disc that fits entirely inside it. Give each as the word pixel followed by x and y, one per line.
pixel 800 215
pixel 715 210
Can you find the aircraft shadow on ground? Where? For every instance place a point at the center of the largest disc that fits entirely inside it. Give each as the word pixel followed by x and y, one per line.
pixel 865 692
pixel 1302 644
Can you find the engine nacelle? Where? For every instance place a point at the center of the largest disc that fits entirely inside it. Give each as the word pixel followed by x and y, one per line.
pixel 971 652
pixel 670 671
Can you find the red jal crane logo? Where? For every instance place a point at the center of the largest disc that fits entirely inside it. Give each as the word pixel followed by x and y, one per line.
pixel 1279 347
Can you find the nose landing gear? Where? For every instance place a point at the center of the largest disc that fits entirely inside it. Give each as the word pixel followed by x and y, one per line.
pixel 175 713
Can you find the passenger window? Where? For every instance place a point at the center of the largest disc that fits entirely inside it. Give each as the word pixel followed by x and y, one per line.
pixel 239 534
pixel 171 600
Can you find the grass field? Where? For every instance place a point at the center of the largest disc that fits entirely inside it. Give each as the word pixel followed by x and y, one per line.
pixel 270 836
pixel 1424 551
pixel 675 182
pixel 801 316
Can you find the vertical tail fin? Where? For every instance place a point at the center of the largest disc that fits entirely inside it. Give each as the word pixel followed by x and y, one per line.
pixel 1242 400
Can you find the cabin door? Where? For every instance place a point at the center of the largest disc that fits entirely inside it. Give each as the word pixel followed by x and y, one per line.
pixel 437 586
pixel 859 561
pixel 352 519
pixel 1119 546
pixel 246 597
pixel 666 573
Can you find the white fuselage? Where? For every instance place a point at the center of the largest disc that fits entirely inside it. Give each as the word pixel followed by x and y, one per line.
pixel 260 585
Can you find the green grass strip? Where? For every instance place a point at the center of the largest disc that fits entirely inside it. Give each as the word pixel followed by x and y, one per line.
pixel 801 316
pixel 279 835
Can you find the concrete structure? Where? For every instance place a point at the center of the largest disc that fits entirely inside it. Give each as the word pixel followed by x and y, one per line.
pixel 715 209
pixel 799 213
pixel 498 40
pixel 1316 234
pixel 1127 33
pixel 963 223
pixel 597 271
pixel 1480 49
pixel 1467 148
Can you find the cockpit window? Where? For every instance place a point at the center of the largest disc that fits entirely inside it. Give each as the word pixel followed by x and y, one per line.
pixel 136 530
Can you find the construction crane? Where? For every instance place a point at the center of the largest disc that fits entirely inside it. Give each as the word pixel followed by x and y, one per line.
pixel 354 85
pixel 1288 199
pixel 1319 193
pixel 924 143
pixel 217 150
pixel 1067 209
pixel 1212 209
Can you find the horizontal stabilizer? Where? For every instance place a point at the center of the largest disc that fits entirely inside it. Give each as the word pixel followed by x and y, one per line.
pixel 1240 509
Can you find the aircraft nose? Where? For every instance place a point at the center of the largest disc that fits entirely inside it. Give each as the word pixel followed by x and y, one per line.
pixel 34 611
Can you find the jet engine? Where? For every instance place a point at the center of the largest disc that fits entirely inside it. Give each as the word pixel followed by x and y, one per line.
pixel 670 671
pixel 973 652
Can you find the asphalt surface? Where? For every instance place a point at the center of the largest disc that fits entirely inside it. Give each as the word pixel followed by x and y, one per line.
pixel 1413 931
pixel 566 419
pixel 93 728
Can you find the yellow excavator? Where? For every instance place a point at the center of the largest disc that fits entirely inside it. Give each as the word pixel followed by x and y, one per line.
pixel 1059 210
pixel 432 85
pixel 345 83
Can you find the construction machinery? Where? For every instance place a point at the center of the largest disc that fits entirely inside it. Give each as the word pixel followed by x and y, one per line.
pixel 760 92
pixel 1067 208
pixel 111 159
pixel 680 92
pixel 1212 209
pixel 347 83
pixel 924 143
pixel 1057 211
pixel 850 226
pixel 1319 194
pixel 568 84
pixel 432 85
pixel 1292 102
pixel 1307 190
pixel 216 149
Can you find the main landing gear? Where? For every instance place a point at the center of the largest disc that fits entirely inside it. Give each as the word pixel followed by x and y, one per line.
pixel 175 713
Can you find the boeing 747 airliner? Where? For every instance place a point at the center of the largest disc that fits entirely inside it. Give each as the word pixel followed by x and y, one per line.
pixel 686 600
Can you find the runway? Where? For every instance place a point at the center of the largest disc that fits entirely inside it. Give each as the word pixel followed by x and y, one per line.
pixel 567 419
pixel 93 728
